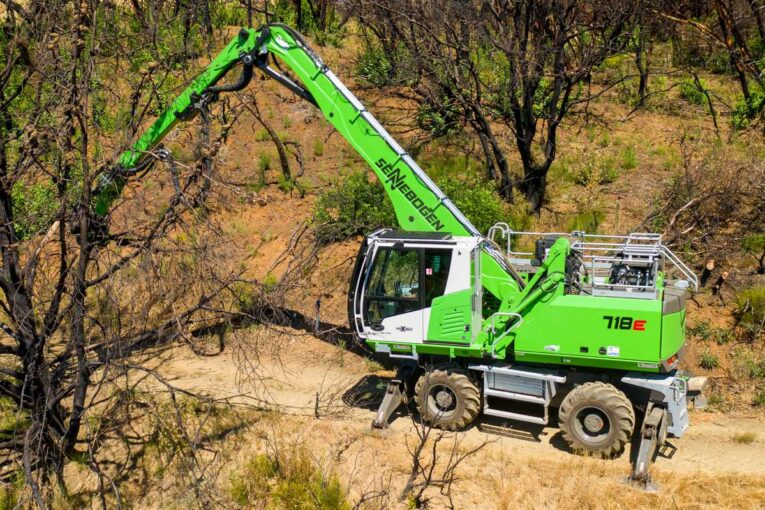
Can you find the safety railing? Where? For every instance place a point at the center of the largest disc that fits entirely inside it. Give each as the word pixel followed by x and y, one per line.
pixel 600 252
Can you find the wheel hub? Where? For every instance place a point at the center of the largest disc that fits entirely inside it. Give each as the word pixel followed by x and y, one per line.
pixel 593 423
pixel 444 399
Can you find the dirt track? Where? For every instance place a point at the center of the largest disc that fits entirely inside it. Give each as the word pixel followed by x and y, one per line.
pixel 306 366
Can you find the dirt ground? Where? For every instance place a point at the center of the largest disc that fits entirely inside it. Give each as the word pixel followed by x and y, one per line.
pixel 520 467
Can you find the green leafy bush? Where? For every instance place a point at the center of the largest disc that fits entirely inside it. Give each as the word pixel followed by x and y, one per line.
pixel 629 158
pixel 755 245
pixel 747 111
pixel 478 200
pixel 291 481
pixel 264 162
pixel 262 135
pixel 704 331
pixel 691 93
pixel 438 119
pixel 750 312
pixel 33 208
pixel 602 172
pixel 358 205
pixel 709 361
pixel 10 493
pixel 588 219
pixel 373 67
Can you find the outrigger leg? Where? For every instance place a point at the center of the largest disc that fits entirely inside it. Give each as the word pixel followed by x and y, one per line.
pixel 653 435
pixel 395 395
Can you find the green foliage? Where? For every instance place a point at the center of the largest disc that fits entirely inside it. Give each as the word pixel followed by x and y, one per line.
pixel 379 67
pixel 755 245
pixel 354 206
pixel 374 68
pixel 629 158
pixel 10 492
pixel 588 219
pixel 34 207
pixel 691 93
pixel 745 437
pixel 747 111
pixel 709 361
pixel 438 119
pixel 262 135
pixel 717 402
pixel 169 52
pixel 750 312
pixel 286 184
pixel 329 31
pixel 286 481
pixel 600 171
pixel 228 14
pixel 582 174
pixel 357 205
pixel 701 330
pixel 542 97
pixel 12 421
pixel 243 296
pixel 608 172
pixel 372 365
pixel 747 364
pixel 478 200
pixel 705 332
pixel 270 283
pixel 318 148
pixel 264 162
pixel 693 52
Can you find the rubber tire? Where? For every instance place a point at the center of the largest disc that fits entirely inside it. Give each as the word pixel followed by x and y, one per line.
pixel 467 394
pixel 609 400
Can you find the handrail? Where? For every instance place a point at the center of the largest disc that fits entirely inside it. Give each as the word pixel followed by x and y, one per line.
pixel 507 331
pixel 597 246
pixel 687 272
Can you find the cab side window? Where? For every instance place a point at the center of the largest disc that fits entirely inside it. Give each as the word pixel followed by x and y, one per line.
pixel 394 285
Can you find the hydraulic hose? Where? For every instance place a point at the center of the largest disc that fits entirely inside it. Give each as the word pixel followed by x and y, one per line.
pixel 241 83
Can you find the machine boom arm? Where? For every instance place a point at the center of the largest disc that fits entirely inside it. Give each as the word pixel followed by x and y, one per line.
pixel 419 204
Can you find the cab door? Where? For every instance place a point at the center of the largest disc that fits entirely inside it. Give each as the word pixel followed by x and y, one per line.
pixel 392 300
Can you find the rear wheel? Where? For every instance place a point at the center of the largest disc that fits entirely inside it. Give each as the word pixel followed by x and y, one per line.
pixel 447 399
pixel 597 419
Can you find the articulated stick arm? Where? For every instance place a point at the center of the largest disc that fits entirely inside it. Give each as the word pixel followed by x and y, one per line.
pixel 419 204
pixel 201 91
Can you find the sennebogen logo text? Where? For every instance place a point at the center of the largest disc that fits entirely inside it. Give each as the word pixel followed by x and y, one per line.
pixel 398 182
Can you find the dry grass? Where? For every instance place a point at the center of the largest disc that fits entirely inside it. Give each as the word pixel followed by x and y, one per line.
pixel 585 483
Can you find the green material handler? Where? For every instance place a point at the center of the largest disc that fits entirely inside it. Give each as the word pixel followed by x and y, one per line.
pixel 588 328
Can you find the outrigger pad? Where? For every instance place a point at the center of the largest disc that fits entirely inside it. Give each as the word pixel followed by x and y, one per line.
pixel 390 403
pixel 395 395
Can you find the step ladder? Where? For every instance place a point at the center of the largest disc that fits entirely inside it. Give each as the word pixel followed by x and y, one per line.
pixel 519 384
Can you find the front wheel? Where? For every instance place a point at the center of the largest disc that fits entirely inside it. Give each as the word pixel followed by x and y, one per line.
pixel 597 419
pixel 447 399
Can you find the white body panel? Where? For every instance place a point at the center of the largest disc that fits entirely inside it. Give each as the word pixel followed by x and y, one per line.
pixel 412 327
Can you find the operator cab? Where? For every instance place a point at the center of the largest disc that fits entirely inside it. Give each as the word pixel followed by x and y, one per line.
pixel 402 279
